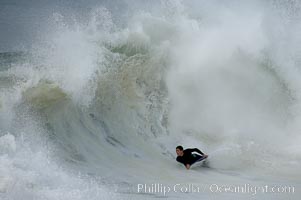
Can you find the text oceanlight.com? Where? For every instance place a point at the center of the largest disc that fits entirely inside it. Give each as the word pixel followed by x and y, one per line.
pixel 162 189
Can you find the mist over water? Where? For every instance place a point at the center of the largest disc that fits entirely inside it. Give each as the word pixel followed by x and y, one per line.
pixel 227 86
pixel 101 98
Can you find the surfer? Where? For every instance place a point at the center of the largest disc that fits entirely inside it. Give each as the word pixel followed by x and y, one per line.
pixel 187 158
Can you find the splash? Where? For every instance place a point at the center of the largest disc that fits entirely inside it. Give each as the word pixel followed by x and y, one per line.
pixel 112 100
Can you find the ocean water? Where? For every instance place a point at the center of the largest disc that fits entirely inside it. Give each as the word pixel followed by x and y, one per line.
pixel 95 96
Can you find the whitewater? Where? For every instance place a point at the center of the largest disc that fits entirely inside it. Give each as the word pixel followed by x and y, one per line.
pixel 95 105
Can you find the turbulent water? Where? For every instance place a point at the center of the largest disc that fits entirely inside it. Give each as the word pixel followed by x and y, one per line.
pixel 95 105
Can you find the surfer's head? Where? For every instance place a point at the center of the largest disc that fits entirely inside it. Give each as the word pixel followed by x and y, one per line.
pixel 179 150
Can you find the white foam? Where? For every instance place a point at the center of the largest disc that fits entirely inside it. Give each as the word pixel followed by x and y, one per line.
pixel 7 144
pixel 221 97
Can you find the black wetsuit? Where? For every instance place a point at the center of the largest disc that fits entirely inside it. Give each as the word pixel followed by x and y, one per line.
pixel 188 157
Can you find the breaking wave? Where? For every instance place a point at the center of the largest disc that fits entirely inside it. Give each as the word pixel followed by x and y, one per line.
pixel 112 101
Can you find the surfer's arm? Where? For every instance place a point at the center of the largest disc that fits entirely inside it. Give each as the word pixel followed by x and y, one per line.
pixel 183 162
pixel 180 160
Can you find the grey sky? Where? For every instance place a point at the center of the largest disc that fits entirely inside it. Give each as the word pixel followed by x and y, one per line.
pixel 22 20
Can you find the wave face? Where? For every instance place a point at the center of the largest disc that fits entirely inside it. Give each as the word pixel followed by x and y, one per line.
pixel 104 100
